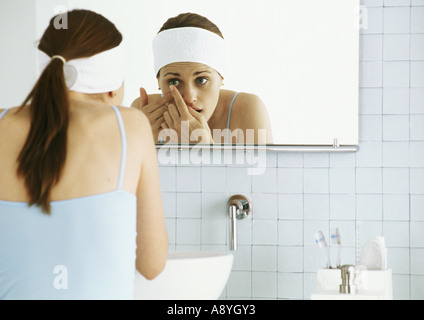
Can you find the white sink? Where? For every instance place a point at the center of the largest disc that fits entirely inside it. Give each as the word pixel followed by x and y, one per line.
pixel 188 275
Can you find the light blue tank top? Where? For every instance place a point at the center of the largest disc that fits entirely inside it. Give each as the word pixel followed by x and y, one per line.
pixel 85 249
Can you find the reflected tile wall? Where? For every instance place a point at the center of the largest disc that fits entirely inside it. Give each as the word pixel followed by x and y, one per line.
pixel 378 191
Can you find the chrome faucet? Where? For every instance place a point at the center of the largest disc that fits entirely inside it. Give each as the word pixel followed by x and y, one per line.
pixel 238 207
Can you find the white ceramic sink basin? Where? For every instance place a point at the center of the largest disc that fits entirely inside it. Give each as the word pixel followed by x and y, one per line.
pixel 188 275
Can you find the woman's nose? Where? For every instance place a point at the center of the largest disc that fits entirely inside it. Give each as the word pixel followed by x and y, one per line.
pixel 189 94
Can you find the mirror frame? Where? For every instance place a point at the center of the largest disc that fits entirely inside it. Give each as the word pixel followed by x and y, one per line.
pixel 276 148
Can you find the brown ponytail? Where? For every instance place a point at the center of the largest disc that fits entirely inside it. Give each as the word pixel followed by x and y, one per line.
pixel 43 155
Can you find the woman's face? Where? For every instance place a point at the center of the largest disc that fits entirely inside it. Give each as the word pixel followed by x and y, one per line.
pixel 198 84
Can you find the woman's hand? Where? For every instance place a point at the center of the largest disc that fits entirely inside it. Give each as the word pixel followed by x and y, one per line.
pixel 154 111
pixel 189 124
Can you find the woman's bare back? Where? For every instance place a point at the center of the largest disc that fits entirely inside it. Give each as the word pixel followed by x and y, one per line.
pixel 93 153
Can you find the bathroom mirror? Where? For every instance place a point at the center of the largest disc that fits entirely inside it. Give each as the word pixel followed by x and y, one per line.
pixel 300 57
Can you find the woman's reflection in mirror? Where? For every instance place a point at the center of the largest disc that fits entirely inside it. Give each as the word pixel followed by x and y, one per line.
pixel 190 64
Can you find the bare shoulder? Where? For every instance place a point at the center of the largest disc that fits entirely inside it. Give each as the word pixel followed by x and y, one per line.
pixel 134 119
pixel 248 102
pixel 12 109
pixel 16 114
pixel 249 111
pixel 250 98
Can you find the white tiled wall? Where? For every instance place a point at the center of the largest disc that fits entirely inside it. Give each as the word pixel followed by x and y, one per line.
pixel 376 191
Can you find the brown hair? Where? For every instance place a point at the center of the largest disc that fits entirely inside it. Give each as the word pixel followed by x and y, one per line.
pixel 191 20
pixel 43 155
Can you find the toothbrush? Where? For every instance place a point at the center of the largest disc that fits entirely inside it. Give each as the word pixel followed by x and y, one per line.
pixel 336 240
pixel 320 240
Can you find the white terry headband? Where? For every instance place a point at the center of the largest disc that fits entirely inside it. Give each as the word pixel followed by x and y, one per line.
pixel 103 72
pixel 190 45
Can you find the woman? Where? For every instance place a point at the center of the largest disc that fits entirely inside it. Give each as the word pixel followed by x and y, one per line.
pixel 80 202
pixel 190 65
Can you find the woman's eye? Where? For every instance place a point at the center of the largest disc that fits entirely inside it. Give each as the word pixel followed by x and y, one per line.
pixel 174 82
pixel 201 80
